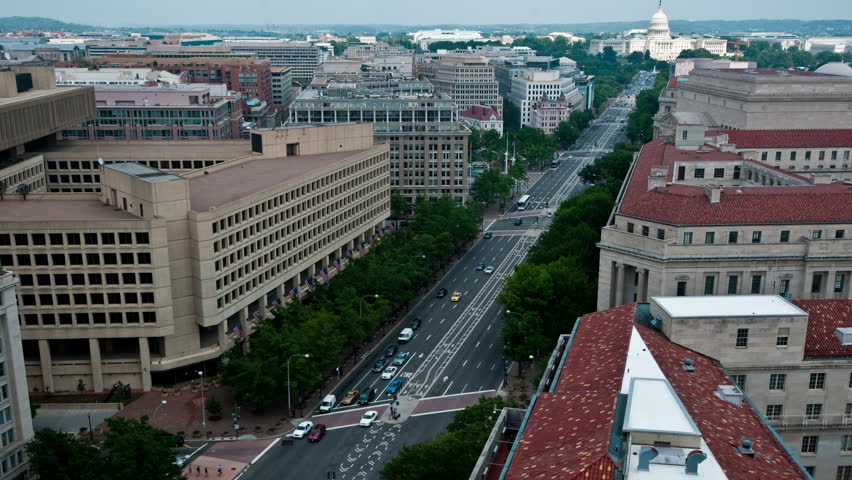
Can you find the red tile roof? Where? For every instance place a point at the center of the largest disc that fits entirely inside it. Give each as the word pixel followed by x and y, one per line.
pixel 569 443
pixel 790 138
pixel 672 83
pixel 823 317
pixel 688 205
pixel 722 424
pixel 482 113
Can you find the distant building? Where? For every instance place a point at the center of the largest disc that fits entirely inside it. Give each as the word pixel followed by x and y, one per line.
pixel 302 58
pixel 528 90
pixel 483 117
pixel 22 48
pixel 466 79
pixel 828 44
pixel 547 113
pixel 283 91
pixel 683 66
pixel 117 77
pixel 425 37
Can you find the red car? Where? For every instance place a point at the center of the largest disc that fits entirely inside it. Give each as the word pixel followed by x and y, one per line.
pixel 316 433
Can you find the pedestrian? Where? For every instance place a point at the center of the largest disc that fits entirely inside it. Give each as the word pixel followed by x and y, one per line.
pixel 198 470
pixel 219 469
pixel 205 472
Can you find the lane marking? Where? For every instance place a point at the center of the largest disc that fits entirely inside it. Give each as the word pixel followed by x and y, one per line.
pixel 448 387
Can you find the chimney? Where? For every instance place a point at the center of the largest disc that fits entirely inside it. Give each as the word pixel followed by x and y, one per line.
pixel 730 394
pixel 820 178
pixel 693 458
pixel 714 193
pixel 659 177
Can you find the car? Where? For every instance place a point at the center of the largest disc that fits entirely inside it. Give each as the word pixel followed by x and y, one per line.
pixel 302 429
pixel 367 396
pixel 415 324
pixel 519 221
pixel 442 293
pixel 489 270
pixel 394 386
pixel 388 373
pixel 456 297
pixel 401 358
pixel 391 350
pixel 380 364
pixel 368 418
pixel 316 433
pixel 487 235
pixel 570 156
pixel 480 266
pixel 350 397
pixel 549 214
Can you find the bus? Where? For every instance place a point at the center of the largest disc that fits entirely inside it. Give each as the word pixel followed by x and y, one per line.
pixel 522 203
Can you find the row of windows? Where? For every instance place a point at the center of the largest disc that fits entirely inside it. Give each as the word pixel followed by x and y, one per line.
pixel 793 154
pixel 756 236
pixel 85 318
pixel 162 164
pixel 22 176
pixel 79 279
pixel 58 259
pixel 109 298
pixel 12 461
pixel 778 381
pixel 106 238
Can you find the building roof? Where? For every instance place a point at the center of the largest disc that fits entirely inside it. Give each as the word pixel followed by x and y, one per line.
pixel 824 316
pixel 680 204
pixel 732 306
pixel 227 185
pixel 59 208
pixel 143 172
pixel 836 68
pixel 815 138
pixel 769 72
pixel 482 113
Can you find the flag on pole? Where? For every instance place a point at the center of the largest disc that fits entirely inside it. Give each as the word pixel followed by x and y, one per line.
pixel 238 330
pixel 349 253
pixel 294 292
pixel 276 303
pixel 255 315
pixel 311 283
pixel 361 248
pixel 324 274
pixel 337 265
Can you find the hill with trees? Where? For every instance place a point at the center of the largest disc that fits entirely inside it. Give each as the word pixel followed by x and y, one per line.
pixel 16 24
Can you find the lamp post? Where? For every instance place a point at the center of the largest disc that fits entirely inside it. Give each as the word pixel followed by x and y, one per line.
pixel 362 299
pixel 158 408
pixel 532 366
pixel 203 414
pixel 289 407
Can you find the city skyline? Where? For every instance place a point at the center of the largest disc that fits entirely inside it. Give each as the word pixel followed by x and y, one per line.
pixel 106 13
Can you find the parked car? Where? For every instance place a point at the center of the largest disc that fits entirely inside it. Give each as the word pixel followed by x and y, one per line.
pixel 442 293
pixel 388 373
pixel 367 396
pixel 391 350
pixel 302 429
pixel 401 358
pixel 350 397
pixel 456 297
pixel 415 324
pixel 380 364
pixel 489 270
pixel 394 386
pixel 487 235
pixel 316 433
pixel 368 418
pixel 480 266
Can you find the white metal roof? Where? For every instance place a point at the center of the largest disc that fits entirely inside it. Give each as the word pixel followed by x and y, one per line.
pixel 653 406
pixel 640 363
pixel 728 306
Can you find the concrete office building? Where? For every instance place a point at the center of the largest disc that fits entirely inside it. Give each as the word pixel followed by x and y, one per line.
pixel 16 424
pixel 428 142
pixel 301 58
pixel 757 99
pixel 32 113
pixel 505 72
pixel 526 91
pixel 283 91
pixel 697 220
pixel 466 79
pixel 114 77
pixel 620 399
pixel 155 273
pixel 106 47
pixel 179 112
pixel 23 48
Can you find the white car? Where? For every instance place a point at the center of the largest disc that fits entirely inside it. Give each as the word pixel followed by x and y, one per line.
pixel 489 270
pixel 302 429
pixel 388 373
pixel 368 418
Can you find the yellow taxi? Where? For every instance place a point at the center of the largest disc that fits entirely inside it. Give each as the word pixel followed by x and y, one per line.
pixel 456 297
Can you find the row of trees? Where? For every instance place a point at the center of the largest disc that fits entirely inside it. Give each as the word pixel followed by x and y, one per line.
pixel 132 449
pixel 771 55
pixel 339 316
pixel 557 283
pixel 640 125
pixel 452 454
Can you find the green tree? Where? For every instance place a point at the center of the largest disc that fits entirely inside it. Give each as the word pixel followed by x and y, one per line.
pixel 213 406
pixel 511 116
pixel 58 456
pixel 566 134
pixel 399 205
pixel 138 450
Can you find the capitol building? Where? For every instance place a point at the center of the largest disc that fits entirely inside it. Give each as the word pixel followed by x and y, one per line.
pixel 657 40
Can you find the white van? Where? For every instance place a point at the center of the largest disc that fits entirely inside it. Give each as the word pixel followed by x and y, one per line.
pixel 405 335
pixel 328 403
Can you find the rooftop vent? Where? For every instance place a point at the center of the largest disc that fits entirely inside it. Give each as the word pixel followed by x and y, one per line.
pixel 657 323
pixel 692 460
pixel 687 364
pixel 645 456
pixel 730 394
pixel 844 335
pixel 745 447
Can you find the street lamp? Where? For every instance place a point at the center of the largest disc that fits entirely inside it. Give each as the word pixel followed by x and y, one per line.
pixel 362 299
pixel 158 408
pixel 532 366
pixel 289 407
pixel 203 414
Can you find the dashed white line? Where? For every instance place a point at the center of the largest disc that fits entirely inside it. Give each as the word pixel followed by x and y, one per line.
pixel 464 363
pixel 448 388
pixel 477 344
pixel 430 336
pixel 478 364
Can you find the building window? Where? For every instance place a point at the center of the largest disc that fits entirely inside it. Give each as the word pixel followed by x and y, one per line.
pixel 844 472
pixel 817 381
pixel 709 238
pixel 755 283
pixel 764 156
pixel 681 289
pixel 646 230
pixel 813 411
pixel 785 286
pixel 685 134
pixel 755 236
pixel 774 412
pixel 777 156
pixel 661 234
pixel 736 173
pixel 785 236
pixel 709 283
pixel 839 282
pixel 630 227
pixel 839 233
pixel 742 338
pixel 809 443
pixel 733 282
pixel 739 381
pixel 846 447
pixel 793 155
pixel 699 173
pixel 777 381
pixel 816 287
pixel 687 238
pixel 718 173
pixel 816 234
pixel 783 337
pixel 733 237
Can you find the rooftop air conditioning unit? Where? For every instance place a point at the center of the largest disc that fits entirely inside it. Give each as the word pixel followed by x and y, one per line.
pixel 730 394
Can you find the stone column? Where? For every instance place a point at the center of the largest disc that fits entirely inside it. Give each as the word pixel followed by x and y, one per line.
pixel 619 284
pixel 97 367
pixel 244 315
pixel 46 364
pixel 642 293
pixel 809 282
pixel 145 361
pixel 223 335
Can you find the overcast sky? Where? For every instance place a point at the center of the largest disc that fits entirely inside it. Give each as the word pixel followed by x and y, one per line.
pixel 187 12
